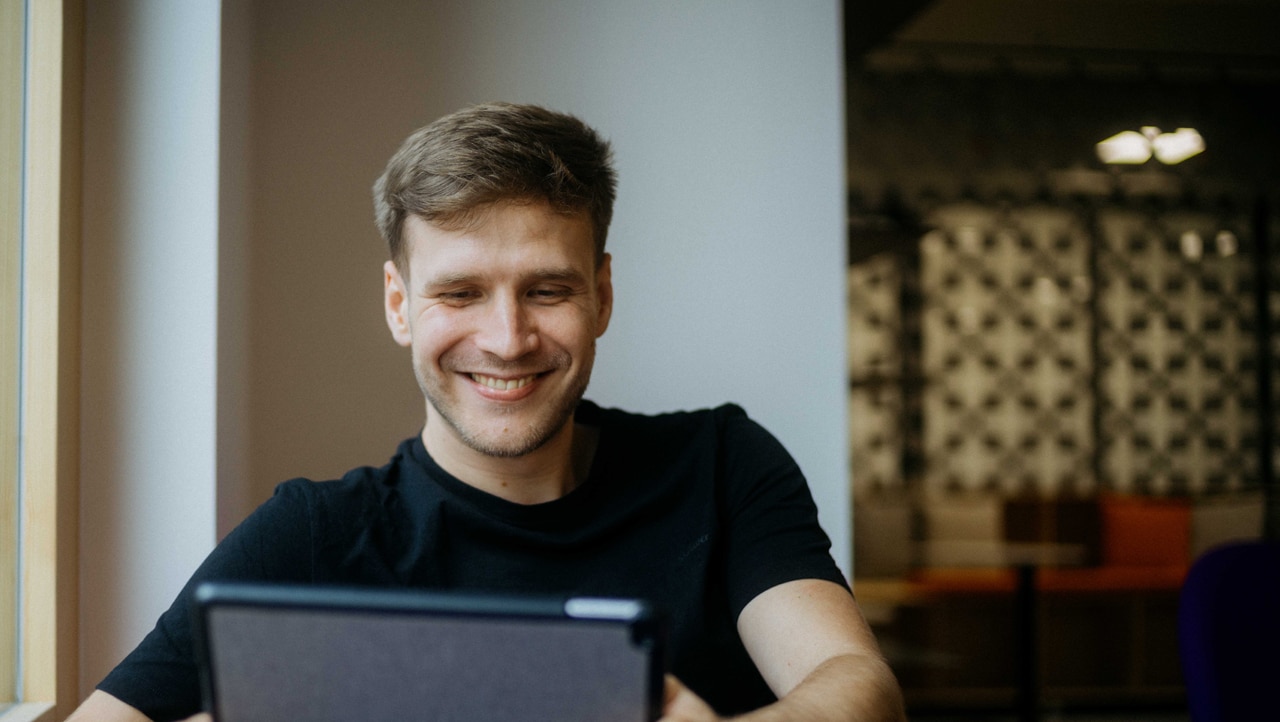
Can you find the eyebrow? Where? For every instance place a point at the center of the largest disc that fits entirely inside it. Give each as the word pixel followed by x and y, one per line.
pixel 563 274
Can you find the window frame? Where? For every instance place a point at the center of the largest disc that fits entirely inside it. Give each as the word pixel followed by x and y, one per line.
pixel 12 27
pixel 50 422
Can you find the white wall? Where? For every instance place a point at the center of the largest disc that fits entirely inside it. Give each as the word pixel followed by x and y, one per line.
pixel 149 299
pixel 728 242
pixel 728 239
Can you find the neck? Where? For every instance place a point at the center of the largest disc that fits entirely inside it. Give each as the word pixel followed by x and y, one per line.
pixel 544 474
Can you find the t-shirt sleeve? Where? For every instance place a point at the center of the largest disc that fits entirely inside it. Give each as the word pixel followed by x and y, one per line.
pixel 772 530
pixel 159 677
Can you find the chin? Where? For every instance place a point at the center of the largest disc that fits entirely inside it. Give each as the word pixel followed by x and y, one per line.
pixel 506 447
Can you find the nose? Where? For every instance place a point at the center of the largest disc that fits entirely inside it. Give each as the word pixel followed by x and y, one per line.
pixel 507 329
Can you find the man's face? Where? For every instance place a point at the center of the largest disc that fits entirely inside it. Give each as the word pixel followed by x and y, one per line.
pixel 502 318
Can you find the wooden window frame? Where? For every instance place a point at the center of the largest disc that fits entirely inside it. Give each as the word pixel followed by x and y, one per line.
pixel 12 25
pixel 50 453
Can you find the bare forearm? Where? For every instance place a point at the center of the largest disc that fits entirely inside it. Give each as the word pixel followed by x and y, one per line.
pixel 846 688
pixel 102 707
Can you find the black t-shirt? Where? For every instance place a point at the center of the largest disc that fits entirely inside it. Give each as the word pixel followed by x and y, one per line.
pixel 698 512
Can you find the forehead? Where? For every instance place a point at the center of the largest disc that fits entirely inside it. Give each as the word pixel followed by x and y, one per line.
pixel 501 237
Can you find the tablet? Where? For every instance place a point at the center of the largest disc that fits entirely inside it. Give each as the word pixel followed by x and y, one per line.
pixel 270 652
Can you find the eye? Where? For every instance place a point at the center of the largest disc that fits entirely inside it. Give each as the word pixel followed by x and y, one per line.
pixel 549 293
pixel 457 296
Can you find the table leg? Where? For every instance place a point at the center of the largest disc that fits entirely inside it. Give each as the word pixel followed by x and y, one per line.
pixel 1026 637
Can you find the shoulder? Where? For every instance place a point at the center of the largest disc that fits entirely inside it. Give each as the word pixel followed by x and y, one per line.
pixel 357 483
pixel 350 497
pixel 308 526
pixel 673 423
pixel 302 511
pixel 724 436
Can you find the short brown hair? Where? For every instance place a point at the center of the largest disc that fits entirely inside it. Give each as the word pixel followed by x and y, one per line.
pixel 447 171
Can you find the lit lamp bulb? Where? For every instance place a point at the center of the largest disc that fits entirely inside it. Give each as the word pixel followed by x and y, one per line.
pixel 1178 146
pixel 1135 148
pixel 1127 147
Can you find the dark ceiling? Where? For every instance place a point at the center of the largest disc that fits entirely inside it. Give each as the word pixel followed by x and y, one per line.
pixel 1173 36
pixel 972 93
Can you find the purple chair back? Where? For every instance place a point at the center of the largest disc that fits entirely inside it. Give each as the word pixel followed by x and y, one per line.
pixel 1229 633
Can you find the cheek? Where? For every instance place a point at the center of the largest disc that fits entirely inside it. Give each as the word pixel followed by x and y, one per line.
pixel 570 330
pixel 433 336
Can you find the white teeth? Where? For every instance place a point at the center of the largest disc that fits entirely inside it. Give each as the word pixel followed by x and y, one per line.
pixel 502 384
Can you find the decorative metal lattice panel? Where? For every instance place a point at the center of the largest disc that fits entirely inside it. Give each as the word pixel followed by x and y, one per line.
pixel 1006 329
pixel 1064 348
pixel 875 361
pixel 1177 352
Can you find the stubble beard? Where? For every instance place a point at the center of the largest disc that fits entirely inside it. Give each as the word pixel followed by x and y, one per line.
pixel 535 434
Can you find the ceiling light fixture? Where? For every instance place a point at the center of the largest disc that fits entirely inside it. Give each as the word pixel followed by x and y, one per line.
pixel 1131 147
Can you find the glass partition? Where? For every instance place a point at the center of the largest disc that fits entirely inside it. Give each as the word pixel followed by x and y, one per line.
pixel 1060 377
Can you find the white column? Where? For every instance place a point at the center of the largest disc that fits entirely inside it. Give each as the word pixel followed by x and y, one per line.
pixel 150 314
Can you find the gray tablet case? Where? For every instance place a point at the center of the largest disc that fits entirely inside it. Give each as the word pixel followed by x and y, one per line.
pixel 271 653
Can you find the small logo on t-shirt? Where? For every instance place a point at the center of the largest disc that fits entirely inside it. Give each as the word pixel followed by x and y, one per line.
pixel 693 548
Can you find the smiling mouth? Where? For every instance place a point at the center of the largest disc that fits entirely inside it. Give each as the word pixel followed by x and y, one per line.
pixel 498 384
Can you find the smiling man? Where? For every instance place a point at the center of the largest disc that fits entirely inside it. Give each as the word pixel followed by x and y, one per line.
pixel 499 285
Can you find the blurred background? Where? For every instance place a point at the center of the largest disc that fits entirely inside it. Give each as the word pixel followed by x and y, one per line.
pixel 1061 349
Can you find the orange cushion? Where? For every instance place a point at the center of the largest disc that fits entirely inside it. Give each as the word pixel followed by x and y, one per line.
pixel 1150 532
pixel 1113 579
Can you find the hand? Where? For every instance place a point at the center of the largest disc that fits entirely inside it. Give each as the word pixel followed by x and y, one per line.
pixel 680 704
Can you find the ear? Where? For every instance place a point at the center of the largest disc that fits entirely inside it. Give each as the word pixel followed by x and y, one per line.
pixel 395 297
pixel 604 292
